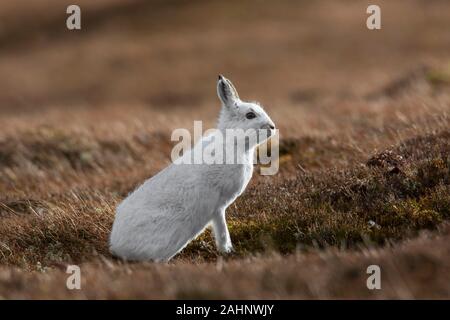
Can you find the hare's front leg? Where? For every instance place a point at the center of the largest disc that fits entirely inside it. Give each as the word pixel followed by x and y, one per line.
pixel 221 234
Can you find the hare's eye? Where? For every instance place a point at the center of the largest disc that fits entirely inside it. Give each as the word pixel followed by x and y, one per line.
pixel 250 115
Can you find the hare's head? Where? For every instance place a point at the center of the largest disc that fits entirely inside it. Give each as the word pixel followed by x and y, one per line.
pixel 237 114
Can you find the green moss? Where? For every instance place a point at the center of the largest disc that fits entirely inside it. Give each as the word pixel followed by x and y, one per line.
pixel 439 77
pixel 410 214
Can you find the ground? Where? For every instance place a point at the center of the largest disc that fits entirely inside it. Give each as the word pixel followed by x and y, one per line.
pixel 364 177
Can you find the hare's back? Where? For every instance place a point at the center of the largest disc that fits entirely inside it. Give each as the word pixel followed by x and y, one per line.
pixel 176 186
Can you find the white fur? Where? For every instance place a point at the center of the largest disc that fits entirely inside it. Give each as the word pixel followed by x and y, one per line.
pixel 164 214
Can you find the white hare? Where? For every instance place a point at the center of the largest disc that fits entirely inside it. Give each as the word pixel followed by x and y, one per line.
pixel 164 214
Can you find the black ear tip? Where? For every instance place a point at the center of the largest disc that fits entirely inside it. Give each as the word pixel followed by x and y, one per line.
pixel 220 77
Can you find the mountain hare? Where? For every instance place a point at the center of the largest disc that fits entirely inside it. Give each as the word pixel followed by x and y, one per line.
pixel 164 214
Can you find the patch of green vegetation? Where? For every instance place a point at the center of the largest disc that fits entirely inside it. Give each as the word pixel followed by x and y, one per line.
pixel 439 76
pixel 410 213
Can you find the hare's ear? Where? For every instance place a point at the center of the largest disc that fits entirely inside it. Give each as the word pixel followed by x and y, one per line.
pixel 226 91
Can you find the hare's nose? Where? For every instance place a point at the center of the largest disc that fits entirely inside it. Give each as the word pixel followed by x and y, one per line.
pixel 271 126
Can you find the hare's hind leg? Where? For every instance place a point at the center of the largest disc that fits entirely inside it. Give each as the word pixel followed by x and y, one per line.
pixel 221 233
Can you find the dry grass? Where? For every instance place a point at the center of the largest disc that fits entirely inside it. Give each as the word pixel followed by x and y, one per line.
pixel 414 269
pixel 364 151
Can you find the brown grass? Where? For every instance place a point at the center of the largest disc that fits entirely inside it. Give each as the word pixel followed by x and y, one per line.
pixel 364 151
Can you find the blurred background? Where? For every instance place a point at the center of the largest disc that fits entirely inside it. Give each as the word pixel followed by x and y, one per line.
pixel 166 54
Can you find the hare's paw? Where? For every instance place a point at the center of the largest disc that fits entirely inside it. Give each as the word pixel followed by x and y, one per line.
pixel 227 248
